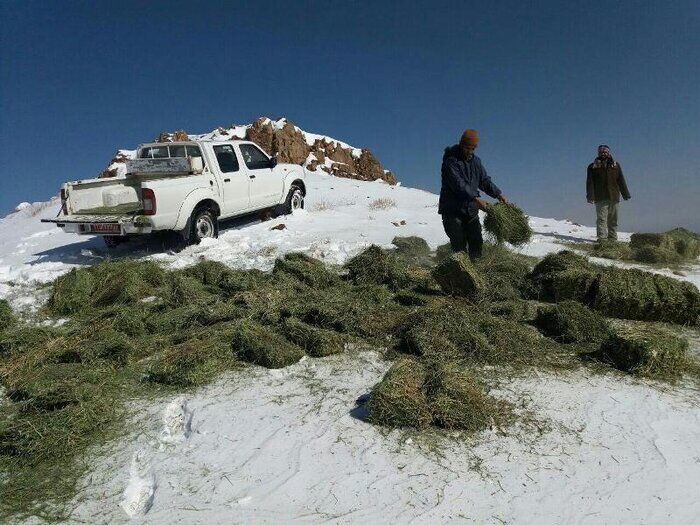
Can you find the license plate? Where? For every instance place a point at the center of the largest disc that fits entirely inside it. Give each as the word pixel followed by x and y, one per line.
pixel 105 228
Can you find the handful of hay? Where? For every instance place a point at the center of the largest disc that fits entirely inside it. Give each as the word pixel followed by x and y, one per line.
pixel 507 223
pixel 648 351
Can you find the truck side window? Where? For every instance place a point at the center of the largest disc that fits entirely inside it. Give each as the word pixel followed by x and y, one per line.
pixel 177 151
pixel 226 158
pixel 253 157
pixel 193 151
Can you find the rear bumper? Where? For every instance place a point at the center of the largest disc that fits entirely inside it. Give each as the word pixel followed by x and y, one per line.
pixel 101 225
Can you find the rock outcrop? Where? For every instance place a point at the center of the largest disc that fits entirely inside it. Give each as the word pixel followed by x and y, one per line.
pixel 291 145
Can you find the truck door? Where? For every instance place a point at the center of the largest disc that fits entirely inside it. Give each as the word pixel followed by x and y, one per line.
pixel 265 184
pixel 235 182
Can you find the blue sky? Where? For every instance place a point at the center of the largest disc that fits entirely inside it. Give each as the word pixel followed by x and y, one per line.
pixel 544 83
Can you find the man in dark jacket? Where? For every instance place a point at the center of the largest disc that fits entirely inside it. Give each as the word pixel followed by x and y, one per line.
pixel 462 177
pixel 604 185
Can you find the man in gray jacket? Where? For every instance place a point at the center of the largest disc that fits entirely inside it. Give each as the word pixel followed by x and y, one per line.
pixel 604 185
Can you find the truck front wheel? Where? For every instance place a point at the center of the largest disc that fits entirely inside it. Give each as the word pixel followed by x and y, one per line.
pixel 202 225
pixel 295 200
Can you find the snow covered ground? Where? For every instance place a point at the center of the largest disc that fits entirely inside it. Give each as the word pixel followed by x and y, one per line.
pixel 262 446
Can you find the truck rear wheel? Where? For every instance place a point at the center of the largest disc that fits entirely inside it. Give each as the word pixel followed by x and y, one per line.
pixel 202 225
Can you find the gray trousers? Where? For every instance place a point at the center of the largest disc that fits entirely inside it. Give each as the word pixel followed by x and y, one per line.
pixel 606 220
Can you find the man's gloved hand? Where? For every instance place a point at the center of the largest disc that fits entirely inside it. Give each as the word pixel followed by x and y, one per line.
pixel 480 204
pixel 503 199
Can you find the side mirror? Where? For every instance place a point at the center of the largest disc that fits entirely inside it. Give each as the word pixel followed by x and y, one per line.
pixel 273 161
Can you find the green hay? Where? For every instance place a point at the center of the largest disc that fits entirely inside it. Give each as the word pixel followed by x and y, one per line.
pixel 7 316
pixel 242 281
pixel 659 240
pixel 309 271
pixel 504 273
pixel 190 364
pixel 443 252
pixel 125 282
pixel 456 399
pixel 181 289
pixel 573 284
pixel 377 266
pixel 572 322
pixel 316 342
pixel 366 311
pixel 615 292
pixel 210 273
pixel 612 250
pixel 656 255
pixel 647 351
pixel 507 223
pixel 443 331
pixel 456 275
pixel 673 246
pixel 514 310
pixel 541 280
pixel 260 345
pixel 448 330
pixel 71 292
pixel 687 243
pixel 399 400
pixel 443 394
pixel 411 298
pixel 412 249
pixel 679 301
pixel 627 294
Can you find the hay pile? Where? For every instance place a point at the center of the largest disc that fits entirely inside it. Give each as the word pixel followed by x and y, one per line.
pixel 648 351
pixel 673 247
pixel 504 273
pixel 309 271
pixel 507 223
pixel 316 342
pixel 411 248
pixel 543 284
pixel 261 345
pixel 135 329
pixel 572 322
pixel 447 330
pixel 615 292
pixel 377 266
pixel 444 395
pixel 456 275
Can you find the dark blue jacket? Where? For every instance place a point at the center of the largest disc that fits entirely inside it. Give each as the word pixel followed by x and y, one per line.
pixel 461 181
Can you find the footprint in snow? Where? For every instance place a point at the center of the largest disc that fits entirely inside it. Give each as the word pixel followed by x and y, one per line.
pixel 177 422
pixel 140 491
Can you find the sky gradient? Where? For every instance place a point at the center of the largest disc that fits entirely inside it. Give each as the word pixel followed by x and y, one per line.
pixel 543 84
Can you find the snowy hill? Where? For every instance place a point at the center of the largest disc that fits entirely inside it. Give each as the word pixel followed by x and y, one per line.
pixel 278 446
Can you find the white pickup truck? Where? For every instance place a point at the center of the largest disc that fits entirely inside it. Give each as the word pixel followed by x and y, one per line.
pixel 181 186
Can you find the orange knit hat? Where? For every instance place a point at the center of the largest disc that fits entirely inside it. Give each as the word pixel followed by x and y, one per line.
pixel 470 137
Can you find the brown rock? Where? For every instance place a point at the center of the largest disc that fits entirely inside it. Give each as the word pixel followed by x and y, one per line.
pixel 261 132
pixel 290 145
pixel 280 226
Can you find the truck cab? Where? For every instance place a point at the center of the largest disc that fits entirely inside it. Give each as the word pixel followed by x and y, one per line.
pixel 181 186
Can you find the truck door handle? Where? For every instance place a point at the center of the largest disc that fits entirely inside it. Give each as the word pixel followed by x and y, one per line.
pixel 252 176
pixel 227 180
